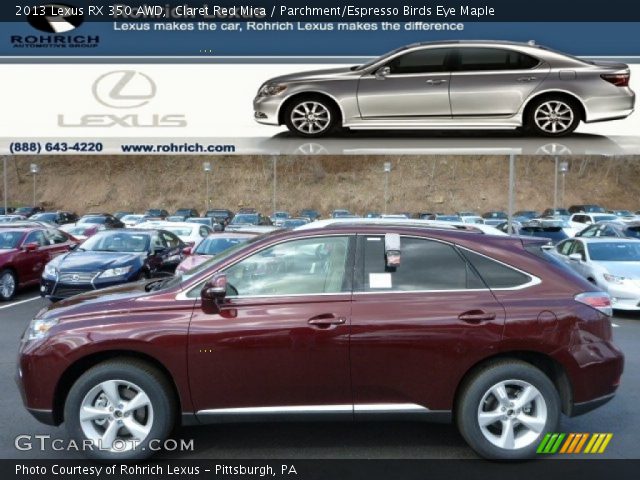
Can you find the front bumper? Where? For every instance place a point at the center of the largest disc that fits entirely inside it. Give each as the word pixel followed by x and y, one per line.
pixel 267 109
pixel 625 297
pixel 54 290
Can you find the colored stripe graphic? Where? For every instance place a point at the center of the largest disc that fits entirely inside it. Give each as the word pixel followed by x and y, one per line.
pixel 553 443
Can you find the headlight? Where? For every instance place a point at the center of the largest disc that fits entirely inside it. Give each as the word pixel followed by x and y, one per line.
pixel 39 328
pixel 270 89
pixel 613 279
pixel 50 271
pixel 115 272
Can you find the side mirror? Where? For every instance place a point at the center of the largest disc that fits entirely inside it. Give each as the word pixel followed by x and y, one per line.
pixel 213 292
pixel 73 246
pixel 186 250
pixel 383 72
pixel 576 257
pixel 30 247
pixel 392 249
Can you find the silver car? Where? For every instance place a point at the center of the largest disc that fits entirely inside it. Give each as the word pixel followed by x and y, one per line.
pixel 451 85
pixel 612 264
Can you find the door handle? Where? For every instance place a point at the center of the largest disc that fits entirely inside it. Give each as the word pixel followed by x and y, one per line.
pixel 476 316
pixel 326 320
pixel 436 82
pixel 526 79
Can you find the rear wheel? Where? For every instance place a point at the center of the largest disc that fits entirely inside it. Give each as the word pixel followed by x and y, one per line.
pixel 553 116
pixel 506 408
pixel 119 407
pixel 8 285
pixel 311 116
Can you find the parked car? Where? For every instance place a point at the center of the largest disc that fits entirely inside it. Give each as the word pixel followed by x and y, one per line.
pixel 220 215
pixel 157 212
pixel 191 234
pixel 105 219
pixel 612 229
pixel 372 215
pixel 12 218
pixel 466 214
pixel 112 257
pixel 213 245
pixel 553 231
pixel 626 215
pixel 291 223
pixel 494 218
pixel 122 213
pixel 561 213
pixel 59 217
pixel 525 215
pixel 246 221
pixel 612 264
pixel 341 212
pixel 208 221
pixel 310 213
pixel 82 231
pixel 581 220
pixel 348 322
pixel 279 217
pixel 8 211
pixel 131 220
pixel 175 218
pixel 427 85
pixel 24 252
pixel 247 210
pixel 445 218
pixel 28 211
pixel 187 212
pixel 586 208
pixel 476 219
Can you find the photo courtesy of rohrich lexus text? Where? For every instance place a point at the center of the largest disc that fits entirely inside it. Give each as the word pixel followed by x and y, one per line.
pixel 365 240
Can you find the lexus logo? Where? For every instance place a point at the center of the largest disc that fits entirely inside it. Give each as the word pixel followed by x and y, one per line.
pixel 75 277
pixel 124 89
pixel 58 18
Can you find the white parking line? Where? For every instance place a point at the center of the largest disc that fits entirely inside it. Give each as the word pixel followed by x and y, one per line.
pixel 615 325
pixel 18 303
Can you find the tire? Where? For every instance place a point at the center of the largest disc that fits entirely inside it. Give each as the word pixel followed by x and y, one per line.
pixel 311 116
pixel 552 116
pixel 153 421
pixel 8 285
pixel 479 399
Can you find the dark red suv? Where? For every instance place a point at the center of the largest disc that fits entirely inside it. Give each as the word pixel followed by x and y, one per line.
pixel 346 322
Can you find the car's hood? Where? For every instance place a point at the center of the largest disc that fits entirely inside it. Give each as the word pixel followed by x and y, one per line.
pixel 84 261
pixel 325 74
pixel 622 269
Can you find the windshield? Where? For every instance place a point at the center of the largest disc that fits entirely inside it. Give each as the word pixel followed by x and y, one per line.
pixel 614 252
pixel 246 218
pixel 44 216
pixel 120 241
pixel 94 220
pixel 131 218
pixel 179 231
pixel 9 240
pixel 495 215
pixel 22 210
pixel 218 213
pixel 216 245
pixel 602 218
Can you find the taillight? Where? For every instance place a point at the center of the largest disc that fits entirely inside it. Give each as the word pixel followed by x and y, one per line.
pixel 618 79
pixel 601 301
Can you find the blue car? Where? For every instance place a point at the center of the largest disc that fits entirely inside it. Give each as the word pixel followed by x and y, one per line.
pixel 112 257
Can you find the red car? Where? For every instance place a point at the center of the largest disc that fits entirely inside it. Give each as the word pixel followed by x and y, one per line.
pixel 24 252
pixel 211 246
pixel 346 322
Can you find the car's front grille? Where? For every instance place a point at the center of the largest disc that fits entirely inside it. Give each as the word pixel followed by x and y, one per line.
pixel 64 291
pixel 76 277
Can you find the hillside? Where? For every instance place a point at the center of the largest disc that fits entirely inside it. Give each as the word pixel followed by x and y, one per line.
pixel 416 183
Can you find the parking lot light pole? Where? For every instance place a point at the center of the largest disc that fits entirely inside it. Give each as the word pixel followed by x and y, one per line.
pixel 563 168
pixel 387 171
pixel 275 183
pixel 512 167
pixel 207 171
pixel 555 186
pixel 6 183
pixel 35 168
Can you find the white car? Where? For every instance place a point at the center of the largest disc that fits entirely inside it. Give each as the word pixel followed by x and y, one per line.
pixel 473 219
pixel 579 221
pixel 131 220
pixel 190 233
pixel 613 264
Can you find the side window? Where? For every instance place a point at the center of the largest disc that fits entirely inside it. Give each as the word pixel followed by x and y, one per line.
pixel 578 247
pixel 591 231
pixel 496 274
pixel 565 247
pixel 55 237
pixel 580 219
pixel 428 60
pixel 425 265
pixel 171 240
pixel 480 59
pixel 300 267
pixel 204 232
pixel 36 237
pixel 158 242
pixel 607 231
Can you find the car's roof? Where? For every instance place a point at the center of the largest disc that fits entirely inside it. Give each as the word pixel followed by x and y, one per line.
pixel 608 240
pixel 400 223
pixel 233 234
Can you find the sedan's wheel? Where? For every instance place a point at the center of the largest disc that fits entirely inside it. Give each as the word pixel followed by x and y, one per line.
pixel 119 407
pixel 506 408
pixel 8 285
pixel 553 117
pixel 311 117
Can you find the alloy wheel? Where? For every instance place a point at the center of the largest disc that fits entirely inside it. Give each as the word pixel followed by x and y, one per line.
pixel 553 116
pixel 512 414
pixel 7 285
pixel 311 117
pixel 116 415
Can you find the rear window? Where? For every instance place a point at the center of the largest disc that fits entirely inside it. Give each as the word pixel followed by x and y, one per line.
pixel 496 274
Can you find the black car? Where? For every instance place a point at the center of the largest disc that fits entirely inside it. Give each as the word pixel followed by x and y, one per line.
pixel 157 213
pixel 554 231
pixel 586 208
pixel 310 213
pixel 59 217
pixel 612 229
pixel 186 213
pixel 220 215
pixel 8 211
pixel 27 211
pixel 106 219
pixel 112 257
pixel 244 220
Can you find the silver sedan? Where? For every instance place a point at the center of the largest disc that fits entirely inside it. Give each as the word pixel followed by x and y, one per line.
pixel 612 264
pixel 451 85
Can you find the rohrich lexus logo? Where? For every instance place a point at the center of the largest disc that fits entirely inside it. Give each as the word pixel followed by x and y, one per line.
pixel 124 90
pixel 58 18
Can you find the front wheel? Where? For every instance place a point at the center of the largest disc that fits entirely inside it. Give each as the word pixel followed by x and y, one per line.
pixel 553 117
pixel 505 410
pixel 311 116
pixel 8 285
pixel 120 407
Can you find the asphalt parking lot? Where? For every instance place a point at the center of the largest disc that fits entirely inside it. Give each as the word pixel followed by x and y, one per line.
pixel 381 440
